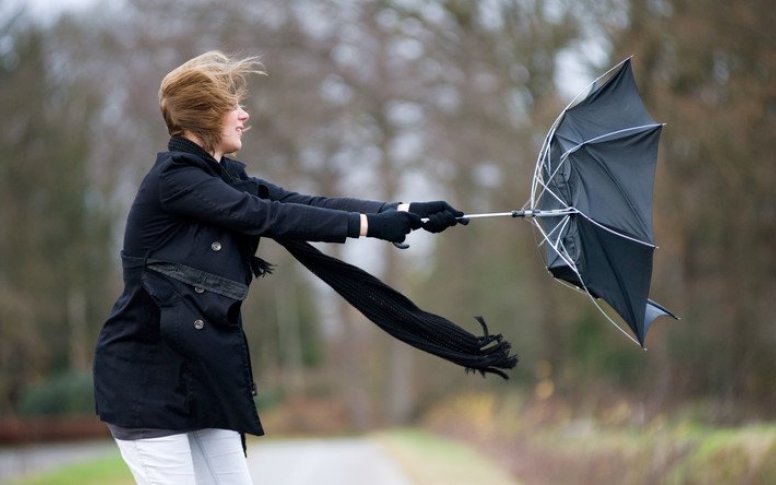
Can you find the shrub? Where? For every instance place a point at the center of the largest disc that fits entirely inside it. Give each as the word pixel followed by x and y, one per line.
pixel 61 394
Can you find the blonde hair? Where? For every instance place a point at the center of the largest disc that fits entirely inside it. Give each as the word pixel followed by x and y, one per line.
pixel 195 96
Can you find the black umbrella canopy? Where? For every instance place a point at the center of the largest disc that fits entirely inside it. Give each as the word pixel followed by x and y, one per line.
pixel 596 170
pixel 591 199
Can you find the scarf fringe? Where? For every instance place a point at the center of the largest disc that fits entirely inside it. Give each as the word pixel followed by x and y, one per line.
pixel 401 318
pixel 260 267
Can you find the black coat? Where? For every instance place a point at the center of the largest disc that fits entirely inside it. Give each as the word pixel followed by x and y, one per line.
pixel 173 354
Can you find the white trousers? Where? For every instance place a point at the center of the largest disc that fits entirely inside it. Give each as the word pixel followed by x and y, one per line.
pixel 204 457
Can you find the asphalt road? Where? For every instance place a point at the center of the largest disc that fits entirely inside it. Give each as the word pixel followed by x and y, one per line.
pixel 24 460
pixel 340 461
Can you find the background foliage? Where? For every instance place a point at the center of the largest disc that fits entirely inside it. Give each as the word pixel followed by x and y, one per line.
pixel 404 100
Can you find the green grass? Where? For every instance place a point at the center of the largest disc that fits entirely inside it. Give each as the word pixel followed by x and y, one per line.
pixel 746 454
pixel 429 460
pixel 678 453
pixel 110 470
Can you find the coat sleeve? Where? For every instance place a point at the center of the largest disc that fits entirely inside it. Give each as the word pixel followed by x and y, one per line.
pixel 189 191
pixel 277 193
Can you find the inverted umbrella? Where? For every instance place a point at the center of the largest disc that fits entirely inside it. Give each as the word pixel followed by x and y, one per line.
pixel 591 198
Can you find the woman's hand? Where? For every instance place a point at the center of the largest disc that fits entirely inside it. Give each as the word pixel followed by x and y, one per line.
pixel 439 214
pixel 390 225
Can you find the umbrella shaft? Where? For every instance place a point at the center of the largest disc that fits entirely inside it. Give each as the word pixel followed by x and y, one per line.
pixel 495 214
pixel 521 214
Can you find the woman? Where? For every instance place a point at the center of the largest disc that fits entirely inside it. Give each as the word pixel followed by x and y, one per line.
pixel 172 371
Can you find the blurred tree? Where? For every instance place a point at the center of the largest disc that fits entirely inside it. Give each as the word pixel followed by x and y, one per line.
pixel 54 234
pixel 708 70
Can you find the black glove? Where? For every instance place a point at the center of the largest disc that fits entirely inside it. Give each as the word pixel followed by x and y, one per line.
pixel 391 225
pixel 440 214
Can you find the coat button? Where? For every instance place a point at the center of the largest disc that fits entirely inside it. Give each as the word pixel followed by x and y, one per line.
pixel 215 245
pixel 199 289
pixel 199 324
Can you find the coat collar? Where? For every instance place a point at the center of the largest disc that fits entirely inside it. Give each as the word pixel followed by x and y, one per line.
pixel 181 144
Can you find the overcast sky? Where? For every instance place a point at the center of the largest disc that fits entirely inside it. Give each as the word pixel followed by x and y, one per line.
pixel 45 10
pixel 571 78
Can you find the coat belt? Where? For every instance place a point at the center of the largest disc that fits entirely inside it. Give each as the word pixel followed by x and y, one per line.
pixel 191 276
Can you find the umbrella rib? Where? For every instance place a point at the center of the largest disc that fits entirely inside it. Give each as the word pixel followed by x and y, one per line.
pixel 559 227
pixel 544 155
pixel 560 249
pixel 539 180
pixel 557 197
pixel 616 233
pixel 553 128
pixel 611 320
pixel 544 188
pixel 647 127
pixel 545 236
pixel 565 157
pixel 587 90
pixel 576 271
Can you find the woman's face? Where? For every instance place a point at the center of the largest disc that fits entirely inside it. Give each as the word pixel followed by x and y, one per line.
pixel 231 133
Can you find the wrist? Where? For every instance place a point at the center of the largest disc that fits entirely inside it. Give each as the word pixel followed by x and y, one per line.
pixel 403 207
pixel 354 225
pixel 364 225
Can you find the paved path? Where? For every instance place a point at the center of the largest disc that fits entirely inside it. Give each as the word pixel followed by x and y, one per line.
pixel 23 460
pixel 338 461
pixel 341 461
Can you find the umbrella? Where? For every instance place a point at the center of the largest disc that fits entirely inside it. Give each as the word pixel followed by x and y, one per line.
pixel 591 199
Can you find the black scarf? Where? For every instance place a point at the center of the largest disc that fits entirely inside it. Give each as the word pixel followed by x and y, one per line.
pixel 402 319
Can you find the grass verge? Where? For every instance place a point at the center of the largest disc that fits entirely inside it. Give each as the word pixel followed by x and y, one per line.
pixel 430 460
pixel 110 470
pixel 553 441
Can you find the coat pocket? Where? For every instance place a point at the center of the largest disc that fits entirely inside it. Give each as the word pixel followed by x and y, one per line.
pixel 177 324
pixel 207 302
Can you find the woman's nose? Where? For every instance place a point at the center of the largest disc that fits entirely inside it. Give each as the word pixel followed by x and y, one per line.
pixel 242 114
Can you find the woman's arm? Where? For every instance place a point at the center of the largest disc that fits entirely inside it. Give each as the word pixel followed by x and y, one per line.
pixel 280 194
pixel 187 190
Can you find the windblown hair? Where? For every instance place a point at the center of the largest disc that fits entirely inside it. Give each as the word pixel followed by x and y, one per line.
pixel 195 96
